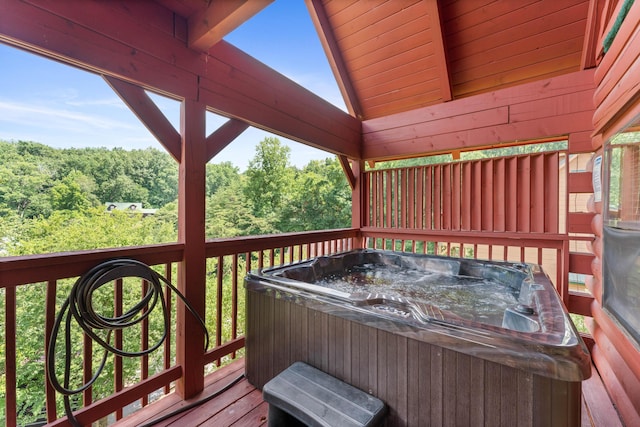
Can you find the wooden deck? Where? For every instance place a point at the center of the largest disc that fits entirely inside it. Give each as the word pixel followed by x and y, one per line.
pixel 241 404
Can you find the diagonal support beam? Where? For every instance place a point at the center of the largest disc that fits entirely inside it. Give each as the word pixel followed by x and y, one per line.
pixel 346 167
pixel 208 27
pixel 332 50
pixel 149 114
pixel 440 50
pixel 223 136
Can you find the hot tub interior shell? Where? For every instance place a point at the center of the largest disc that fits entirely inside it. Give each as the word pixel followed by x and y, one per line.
pixel 427 373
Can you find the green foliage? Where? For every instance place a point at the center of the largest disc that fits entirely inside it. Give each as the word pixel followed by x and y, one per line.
pixel 53 200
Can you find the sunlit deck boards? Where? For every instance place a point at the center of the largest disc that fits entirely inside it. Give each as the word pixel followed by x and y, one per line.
pixel 242 404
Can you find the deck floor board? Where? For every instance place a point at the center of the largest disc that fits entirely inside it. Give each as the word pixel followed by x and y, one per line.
pixel 242 405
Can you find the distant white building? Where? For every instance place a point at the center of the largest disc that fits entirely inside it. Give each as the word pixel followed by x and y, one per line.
pixel 128 206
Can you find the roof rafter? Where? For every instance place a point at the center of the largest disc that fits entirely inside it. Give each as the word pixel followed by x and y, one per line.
pixel 209 26
pixel 440 52
pixel 332 50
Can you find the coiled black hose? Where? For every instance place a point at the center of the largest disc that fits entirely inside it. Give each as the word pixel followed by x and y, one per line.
pixel 79 307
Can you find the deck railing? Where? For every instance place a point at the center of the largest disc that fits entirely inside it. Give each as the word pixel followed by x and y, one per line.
pixel 29 279
pixel 228 260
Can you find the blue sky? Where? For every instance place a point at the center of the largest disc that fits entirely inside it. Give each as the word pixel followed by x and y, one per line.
pixel 45 101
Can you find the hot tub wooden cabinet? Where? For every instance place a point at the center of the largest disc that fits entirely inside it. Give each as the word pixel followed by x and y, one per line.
pixel 430 367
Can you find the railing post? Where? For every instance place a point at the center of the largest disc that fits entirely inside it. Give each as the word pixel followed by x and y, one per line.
pixel 359 202
pixel 191 232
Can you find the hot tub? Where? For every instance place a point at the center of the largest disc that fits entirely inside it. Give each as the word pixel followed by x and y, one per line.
pixel 448 340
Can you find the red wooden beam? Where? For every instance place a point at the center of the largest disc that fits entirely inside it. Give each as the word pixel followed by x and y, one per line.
pixel 332 50
pixel 191 232
pixel 440 50
pixel 223 136
pixel 346 167
pixel 220 17
pixel 149 114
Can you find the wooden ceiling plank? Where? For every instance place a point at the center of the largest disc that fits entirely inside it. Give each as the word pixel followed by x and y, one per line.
pixel 207 27
pixel 528 58
pixel 223 136
pixel 440 50
pixel 515 26
pixel 149 114
pixel 557 42
pixel 333 52
pixel 397 27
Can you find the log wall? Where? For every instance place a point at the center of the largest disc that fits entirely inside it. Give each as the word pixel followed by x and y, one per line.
pixel 617 101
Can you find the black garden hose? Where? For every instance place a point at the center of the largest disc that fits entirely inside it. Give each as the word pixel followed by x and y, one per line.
pixel 79 306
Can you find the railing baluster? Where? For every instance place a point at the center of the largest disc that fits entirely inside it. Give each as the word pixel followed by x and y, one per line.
pixel 10 411
pixel 117 361
pixel 234 299
pixel 50 316
pixel 167 343
pixel 144 344
pixel 219 276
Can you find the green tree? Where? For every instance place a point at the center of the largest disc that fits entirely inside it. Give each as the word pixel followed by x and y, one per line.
pixel 74 192
pixel 322 199
pixel 269 178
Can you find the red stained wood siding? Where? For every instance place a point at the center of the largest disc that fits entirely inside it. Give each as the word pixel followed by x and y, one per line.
pixel 478 195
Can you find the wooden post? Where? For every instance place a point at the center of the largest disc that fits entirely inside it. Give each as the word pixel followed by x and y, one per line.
pixel 358 199
pixel 191 232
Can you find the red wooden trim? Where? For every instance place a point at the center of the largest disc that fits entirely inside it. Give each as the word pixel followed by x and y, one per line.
pixel 517 239
pixel 207 27
pixel 411 202
pixel 118 379
pixel 223 136
pixel 446 197
pixel 580 222
pixel 149 114
pixel 324 29
pixel 580 142
pixel 476 195
pixel 551 216
pixel 465 204
pixel 192 270
pixel 591 48
pixel 10 408
pixel 234 298
pixel 499 195
pixel 601 411
pixel 144 343
pixel 237 85
pixel 219 300
pixel 420 210
pixel 440 50
pixel 346 167
pixel 104 407
pixel 49 319
pixel 37 268
pixel 580 304
pixel 428 198
pixel 486 195
pixel 167 358
pixel 580 182
pixel 222 350
pixel 524 194
pixel 87 368
pixel 455 196
pixel 580 263
pixel 437 197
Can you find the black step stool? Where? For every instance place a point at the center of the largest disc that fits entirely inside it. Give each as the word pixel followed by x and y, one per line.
pixel 303 395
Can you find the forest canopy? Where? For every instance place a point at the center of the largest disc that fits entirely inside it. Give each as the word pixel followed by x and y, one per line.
pixel 55 200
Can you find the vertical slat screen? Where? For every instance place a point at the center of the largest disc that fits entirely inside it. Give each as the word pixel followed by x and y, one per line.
pixel 511 194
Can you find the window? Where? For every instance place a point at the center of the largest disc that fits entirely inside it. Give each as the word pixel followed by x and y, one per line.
pixel 621 210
